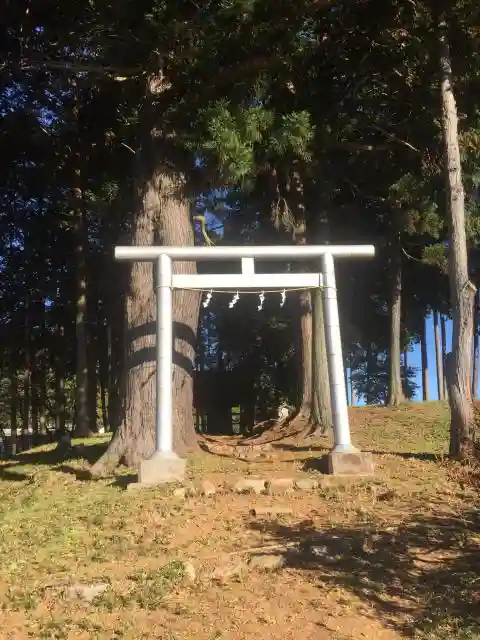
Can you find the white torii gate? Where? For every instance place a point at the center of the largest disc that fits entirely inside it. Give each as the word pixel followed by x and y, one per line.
pixel 165 466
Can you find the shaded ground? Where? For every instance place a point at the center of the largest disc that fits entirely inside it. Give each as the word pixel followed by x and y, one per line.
pixel 390 558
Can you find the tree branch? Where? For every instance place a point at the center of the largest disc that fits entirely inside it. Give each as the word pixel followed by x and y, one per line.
pixel 77 67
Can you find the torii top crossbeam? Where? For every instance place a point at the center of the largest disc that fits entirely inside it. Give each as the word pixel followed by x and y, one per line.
pixel 273 252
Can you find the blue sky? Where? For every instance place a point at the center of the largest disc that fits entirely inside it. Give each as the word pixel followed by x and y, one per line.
pixel 415 361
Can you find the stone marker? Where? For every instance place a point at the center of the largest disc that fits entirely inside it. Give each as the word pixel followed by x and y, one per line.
pixel 281 485
pixel 189 572
pixel 254 485
pixel 87 592
pixel 268 562
pixel 207 488
pixel 191 490
pixel 228 569
pixel 306 484
pixel 161 468
pixel 350 463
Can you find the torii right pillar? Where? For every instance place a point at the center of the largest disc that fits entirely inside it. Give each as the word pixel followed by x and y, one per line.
pixel 344 459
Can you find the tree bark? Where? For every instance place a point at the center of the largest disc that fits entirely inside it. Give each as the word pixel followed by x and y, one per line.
pixel 305 380
pixel 423 345
pixel 438 355
pixel 163 218
pixel 13 409
pixel 82 418
pixel 462 291
pixel 405 374
pixel 353 393
pixel 35 392
pixel 368 377
pixel 113 294
pixel 27 375
pixel 475 346
pixel 42 404
pixel 395 391
pixel 305 351
pixel 60 409
pixel 103 358
pixel 321 416
pixel 92 353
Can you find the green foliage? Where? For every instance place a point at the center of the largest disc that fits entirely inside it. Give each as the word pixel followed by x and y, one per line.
pixel 293 136
pixel 435 255
pixel 231 136
pixel 241 140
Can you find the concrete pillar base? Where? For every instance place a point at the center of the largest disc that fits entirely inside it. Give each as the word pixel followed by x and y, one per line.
pixel 161 468
pixel 350 463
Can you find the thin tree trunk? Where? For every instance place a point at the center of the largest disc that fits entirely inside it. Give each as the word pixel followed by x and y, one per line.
pixel 82 418
pixel 425 380
pixel 35 392
pixel 438 355
pixel 443 331
pixel 345 377
pixel 60 409
pixel 353 394
pixel 103 359
pixel 321 416
pixel 395 391
pixel 13 409
pixel 164 208
pixel 104 406
pixel 475 346
pixel 368 377
pixel 462 291
pixel 27 375
pixel 94 320
pixel 41 375
pixel 115 287
pixel 405 374
pixel 92 378
pixel 42 404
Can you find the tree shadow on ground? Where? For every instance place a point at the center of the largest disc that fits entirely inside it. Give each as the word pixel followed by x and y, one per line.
pixel 420 577
pixel 51 457
pixel 406 455
pixel 12 476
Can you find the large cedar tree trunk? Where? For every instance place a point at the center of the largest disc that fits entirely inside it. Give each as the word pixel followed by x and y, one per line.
pixel 321 417
pixel 305 379
pixel 462 291
pixel 305 336
pixel 163 217
pixel 423 344
pixel 395 390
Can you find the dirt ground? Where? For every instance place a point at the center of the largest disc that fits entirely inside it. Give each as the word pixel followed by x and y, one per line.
pixel 386 558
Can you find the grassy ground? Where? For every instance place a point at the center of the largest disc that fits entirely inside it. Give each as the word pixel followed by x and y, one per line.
pixel 391 558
